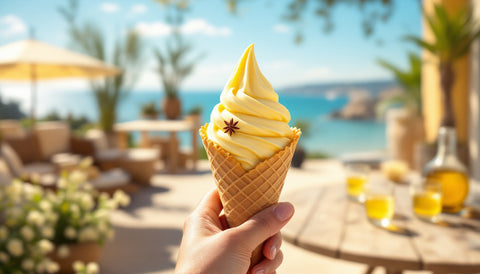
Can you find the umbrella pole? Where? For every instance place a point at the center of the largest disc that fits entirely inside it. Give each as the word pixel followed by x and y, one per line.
pixel 33 90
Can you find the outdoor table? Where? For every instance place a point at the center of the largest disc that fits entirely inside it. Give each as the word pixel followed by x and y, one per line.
pixel 328 223
pixel 170 126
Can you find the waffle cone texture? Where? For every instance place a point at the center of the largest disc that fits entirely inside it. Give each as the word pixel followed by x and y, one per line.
pixel 245 192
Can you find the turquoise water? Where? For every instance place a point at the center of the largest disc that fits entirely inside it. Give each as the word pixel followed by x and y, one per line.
pixel 333 137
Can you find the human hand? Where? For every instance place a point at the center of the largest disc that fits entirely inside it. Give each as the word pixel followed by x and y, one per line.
pixel 209 247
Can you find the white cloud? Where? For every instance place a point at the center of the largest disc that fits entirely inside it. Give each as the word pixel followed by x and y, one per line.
pixel 138 9
pixel 201 26
pixel 281 28
pixel 11 25
pixel 192 26
pixel 108 7
pixel 155 29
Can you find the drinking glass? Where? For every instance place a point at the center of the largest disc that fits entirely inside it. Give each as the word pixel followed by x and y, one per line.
pixel 356 178
pixel 427 199
pixel 379 202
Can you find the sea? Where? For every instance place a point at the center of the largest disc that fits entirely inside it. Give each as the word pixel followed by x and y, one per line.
pixel 328 136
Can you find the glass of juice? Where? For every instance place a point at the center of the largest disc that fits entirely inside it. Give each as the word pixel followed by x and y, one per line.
pixel 379 202
pixel 427 199
pixel 356 177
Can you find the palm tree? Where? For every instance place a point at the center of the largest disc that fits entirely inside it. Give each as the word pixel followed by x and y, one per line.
pixel 453 36
pixel 127 55
pixel 410 80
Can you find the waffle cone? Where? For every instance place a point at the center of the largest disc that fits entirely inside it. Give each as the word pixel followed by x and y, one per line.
pixel 245 192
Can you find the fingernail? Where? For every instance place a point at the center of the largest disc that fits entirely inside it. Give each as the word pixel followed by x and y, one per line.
pixel 259 271
pixel 283 211
pixel 273 252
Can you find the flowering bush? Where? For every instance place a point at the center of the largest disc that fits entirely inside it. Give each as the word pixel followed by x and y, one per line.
pixel 81 218
pixel 33 220
pixel 26 229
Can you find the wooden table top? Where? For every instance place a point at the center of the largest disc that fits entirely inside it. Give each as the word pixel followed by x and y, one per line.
pixel 328 223
pixel 156 125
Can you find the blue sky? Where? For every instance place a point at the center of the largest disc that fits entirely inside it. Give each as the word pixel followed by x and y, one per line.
pixel 343 55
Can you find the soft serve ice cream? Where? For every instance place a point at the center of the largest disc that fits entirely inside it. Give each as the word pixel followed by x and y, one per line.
pixel 249 122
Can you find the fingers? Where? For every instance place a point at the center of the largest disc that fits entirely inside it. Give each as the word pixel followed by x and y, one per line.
pixel 268 266
pixel 272 246
pixel 264 224
pixel 210 206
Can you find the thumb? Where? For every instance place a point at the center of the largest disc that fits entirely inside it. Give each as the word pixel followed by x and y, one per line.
pixel 265 224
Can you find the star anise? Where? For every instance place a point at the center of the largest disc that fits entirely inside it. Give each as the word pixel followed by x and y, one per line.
pixel 231 127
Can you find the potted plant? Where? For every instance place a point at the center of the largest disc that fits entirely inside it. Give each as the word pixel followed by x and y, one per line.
pixel 150 111
pixel 300 154
pixel 453 36
pixel 27 223
pixel 173 67
pixel 83 219
pixel 404 124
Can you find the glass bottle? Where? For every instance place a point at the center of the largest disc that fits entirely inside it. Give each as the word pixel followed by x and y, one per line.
pixel 446 168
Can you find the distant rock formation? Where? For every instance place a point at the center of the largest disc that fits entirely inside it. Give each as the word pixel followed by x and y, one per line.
pixel 362 105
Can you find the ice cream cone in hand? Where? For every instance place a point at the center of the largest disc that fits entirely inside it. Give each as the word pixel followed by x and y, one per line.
pixel 249 144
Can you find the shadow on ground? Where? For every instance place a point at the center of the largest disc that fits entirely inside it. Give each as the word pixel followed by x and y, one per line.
pixel 144 198
pixel 140 250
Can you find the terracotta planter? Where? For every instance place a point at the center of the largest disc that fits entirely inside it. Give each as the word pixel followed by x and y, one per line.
pixel 404 131
pixel 172 108
pixel 85 252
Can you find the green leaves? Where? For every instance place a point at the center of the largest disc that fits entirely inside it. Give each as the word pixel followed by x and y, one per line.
pixel 453 34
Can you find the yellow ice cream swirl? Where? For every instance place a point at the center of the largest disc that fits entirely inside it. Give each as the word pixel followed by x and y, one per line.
pixel 249 122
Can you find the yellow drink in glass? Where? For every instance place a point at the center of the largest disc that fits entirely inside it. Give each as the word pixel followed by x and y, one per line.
pixel 380 207
pixel 356 178
pixel 427 199
pixel 355 185
pixel 427 204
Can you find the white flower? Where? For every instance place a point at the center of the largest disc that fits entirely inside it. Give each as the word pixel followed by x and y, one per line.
pixel 77 177
pixel 48 232
pixel 121 198
pixel 36 218
pixel 78 266
pixel 70 232
pixel 62 183
pixel 85 162
pixel 15 247
pixel 27 233
pixel 45 205
pixel 87 202
pixel 92 268
pixel 4 257
pixel 52 267
pixel 28 264
pixel 45 246
pixel 88 234
pixel 3 233
pixel 63 251
pixel 75 210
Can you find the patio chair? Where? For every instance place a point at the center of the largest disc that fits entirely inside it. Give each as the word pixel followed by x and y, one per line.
pixel 48 174
pixel 138 162
pixel 5 175
pixel 11 129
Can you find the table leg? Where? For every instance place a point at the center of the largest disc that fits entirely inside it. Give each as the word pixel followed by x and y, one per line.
pixel 173 161
pixel 144 142
pixel 370 269
pixel 122 140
